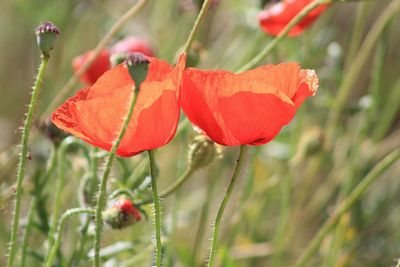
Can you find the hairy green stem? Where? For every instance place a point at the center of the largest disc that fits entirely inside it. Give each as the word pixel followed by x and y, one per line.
pixel 357 64
pixel 217 224
pixel 346 204
pixel 69 86
pixel 199 19
pixel 157 211
pixel 101 197
pixel 23 157
pixel 57 242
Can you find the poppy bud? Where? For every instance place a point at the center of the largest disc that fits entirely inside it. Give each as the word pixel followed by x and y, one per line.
pixel 46 34
pixel 121 214
pixel 202 152
pixel 49 130
pixel 138 66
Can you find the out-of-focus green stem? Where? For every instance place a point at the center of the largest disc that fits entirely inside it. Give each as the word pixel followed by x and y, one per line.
pixel 61 155
pixel 199 19
pixel 346 204
pixel 29 218
pixel 356 34
pixel 217 224
pixel 175 186
pixel 157 211
pixel 69 86
pixel 359 60
pixel 101 197
pixel 23 157
pixel 60 228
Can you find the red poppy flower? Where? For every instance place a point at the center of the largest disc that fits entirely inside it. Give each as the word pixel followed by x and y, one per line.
pixel 276 16
pixel 96 114
pixel 102 63
pixel 246 108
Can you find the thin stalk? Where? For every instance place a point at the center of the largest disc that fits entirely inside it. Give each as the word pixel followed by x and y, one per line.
pixel 217 224
pixel 199 19
pixel 286 187
pixel 357 64
pixel 69 86
pixel 101 197
pixel 263 53
pixel 60 228
pixel 175 186
pixel 29 219
pixel 157 212
pixel 23 157
pixel 61 155
pixel 356 35
pixel 346 204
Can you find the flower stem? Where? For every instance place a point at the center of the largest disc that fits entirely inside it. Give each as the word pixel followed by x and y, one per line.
pixel 357 64
pixel 175 186
pixel 346 204
pixel 69 86
pixel 224 202
pixel 157 212
pixel 199 19
pixel 101 197
pixel 23 157
pixel 60 228
pixel 260 56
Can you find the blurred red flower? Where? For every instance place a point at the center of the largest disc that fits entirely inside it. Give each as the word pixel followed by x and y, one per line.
pixel 96 114
pixel 276 16
pixel 246 108
pixel 102 63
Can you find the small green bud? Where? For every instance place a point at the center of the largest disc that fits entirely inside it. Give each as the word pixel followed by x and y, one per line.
pixel 202 151
pixel 118 58
pixel 138 66
pixel 46 34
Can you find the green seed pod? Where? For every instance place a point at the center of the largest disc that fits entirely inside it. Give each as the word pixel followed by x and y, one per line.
pixel 202 151
pixel 46 34
pixel 138 66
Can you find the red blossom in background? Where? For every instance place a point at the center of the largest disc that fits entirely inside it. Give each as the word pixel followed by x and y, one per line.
pixel 249 108
pixel 102 63
pixel 276 16
pixel 96 114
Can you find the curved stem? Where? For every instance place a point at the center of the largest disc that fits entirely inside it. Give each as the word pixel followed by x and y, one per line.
pixel 175 186
pixel 346 204
pixel 304 12
pixel 199 19
pixel 224 202
pixel 101 197
pixel 69 86
pixel 23 157
pixel 61 155
pixel 157 212
pixel 357 64
pixel 60 228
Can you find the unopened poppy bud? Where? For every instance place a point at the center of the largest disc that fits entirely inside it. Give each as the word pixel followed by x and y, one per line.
pixel 122 214
pixel 202 151
pixel 118 58
pixel 48 129
pixel 46 34
pixel 138 66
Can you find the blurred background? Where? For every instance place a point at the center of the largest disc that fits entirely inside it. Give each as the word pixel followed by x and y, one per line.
pixel 290 186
